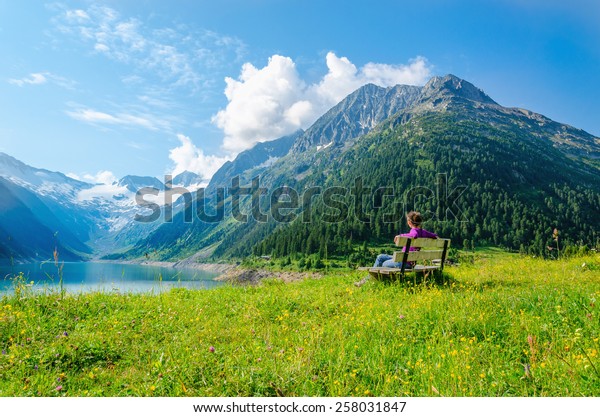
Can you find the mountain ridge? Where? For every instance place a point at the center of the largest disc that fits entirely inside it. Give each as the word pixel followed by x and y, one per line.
pixel 134 182
pixel 261 155
pixel 447 122
pixel 399 137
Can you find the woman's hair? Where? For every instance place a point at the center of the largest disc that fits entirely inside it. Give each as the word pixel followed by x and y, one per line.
pixel 415 218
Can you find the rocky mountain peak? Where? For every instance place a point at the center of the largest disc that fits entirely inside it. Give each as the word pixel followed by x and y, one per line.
pixel 135 182
pixel 356 115
pixel 450 86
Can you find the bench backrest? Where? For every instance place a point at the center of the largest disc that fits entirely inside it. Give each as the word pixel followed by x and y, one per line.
pixel 435 249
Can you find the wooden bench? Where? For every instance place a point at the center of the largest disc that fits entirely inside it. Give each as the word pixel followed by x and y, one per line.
pixel 430 257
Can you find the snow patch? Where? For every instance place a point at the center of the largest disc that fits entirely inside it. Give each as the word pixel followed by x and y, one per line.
pixel 118 223
pixel 321 147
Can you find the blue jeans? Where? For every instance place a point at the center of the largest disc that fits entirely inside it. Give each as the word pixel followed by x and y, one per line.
pixel 386 261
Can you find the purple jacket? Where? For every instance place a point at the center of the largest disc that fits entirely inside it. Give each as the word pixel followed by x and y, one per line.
pixel 414 233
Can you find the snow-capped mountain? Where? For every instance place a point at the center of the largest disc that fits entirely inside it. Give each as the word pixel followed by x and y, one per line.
pixel 30 230
pixel 189 180
pixel 91 219
pixel 135 183
pixel 45 183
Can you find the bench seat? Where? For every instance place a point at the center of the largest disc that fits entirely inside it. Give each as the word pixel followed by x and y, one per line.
pixel 429 256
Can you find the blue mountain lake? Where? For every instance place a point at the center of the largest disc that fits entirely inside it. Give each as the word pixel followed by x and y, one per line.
pixel 106 277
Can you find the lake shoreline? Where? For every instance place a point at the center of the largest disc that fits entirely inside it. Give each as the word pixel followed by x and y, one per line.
pixel 230 273
pixel 206 267
pixel 105 275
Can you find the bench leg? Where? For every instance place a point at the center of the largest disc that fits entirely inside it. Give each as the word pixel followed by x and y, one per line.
pixel 439 276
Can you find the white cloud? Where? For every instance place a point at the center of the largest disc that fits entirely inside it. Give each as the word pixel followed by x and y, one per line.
pixel 100 47
pixel 340 80
pixel 263 104
pixel 273 101
pixel 188 157
pixel 125 119
pixel 415 73
pixel 182 57
pixel 39 78
pixel 105 186
pixel 33 79
pixel 78 16
pixel 105 191
pixel 101 177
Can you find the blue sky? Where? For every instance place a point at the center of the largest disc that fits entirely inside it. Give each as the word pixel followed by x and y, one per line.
pixel 104 89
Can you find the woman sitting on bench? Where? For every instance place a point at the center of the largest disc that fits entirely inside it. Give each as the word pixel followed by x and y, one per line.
pixel 414 220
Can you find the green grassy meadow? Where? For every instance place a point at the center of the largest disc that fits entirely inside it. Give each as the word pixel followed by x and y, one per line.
pixel 503 325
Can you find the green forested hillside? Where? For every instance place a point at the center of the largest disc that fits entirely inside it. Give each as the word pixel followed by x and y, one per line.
pixel 514 190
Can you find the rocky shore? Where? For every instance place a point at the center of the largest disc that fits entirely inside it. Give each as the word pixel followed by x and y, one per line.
pixel 230 273
pixel 243 276
pixel 208 267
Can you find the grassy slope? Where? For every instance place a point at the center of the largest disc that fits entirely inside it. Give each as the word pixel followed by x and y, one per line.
pixel 505 325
